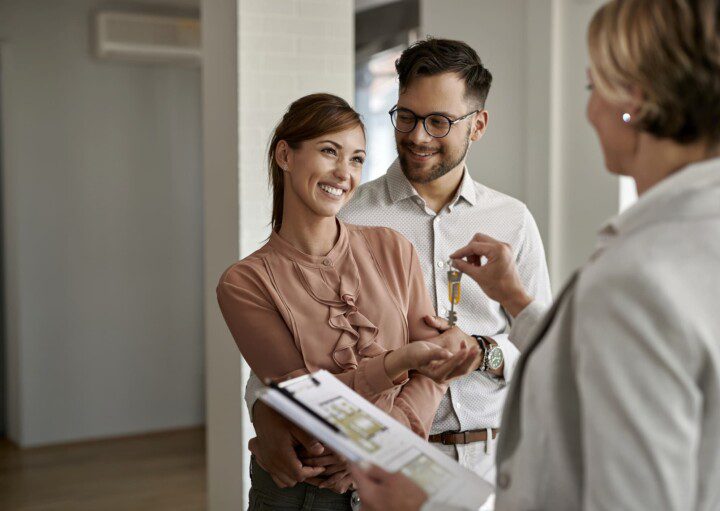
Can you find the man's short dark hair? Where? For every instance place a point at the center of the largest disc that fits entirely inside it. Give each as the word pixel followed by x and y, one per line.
pixel 435 56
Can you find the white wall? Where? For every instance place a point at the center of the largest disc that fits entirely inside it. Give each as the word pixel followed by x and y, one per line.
pixel 260 55
pixel 496 30
pixel 539 146
pixel 102 220
pixel 288 48
pixel 582 193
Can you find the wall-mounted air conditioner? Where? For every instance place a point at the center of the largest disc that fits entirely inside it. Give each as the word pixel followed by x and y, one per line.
pixel 147 37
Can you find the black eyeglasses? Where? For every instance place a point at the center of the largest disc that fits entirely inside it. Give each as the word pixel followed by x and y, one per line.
pixel 436 125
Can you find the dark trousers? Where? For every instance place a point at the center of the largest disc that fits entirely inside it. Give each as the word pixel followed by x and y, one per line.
pixel 266 496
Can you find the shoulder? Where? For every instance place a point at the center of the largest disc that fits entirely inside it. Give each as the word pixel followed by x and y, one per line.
pixel 622 268
pixel 381 238
pixel 636 282
pixel 511 215
pixel 392 254
pixel 497 199
pixel 651 258
pixel 247 275
pixel 377 188
pixel 368 197
pixel 391 251
pixel 649 295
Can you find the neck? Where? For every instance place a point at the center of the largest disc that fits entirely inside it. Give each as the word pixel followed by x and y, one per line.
pixel 308 232
pixel 657 159
pixel 439 192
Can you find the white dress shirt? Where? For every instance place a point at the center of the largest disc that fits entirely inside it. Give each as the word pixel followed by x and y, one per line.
pixel 474 401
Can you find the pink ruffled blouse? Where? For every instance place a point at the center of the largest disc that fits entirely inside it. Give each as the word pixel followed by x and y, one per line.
pixel 292 313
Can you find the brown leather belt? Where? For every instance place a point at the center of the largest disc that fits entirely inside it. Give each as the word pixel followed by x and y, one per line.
pixel 461 437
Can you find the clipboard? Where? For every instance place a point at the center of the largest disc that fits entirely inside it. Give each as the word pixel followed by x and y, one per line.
pixel 353 427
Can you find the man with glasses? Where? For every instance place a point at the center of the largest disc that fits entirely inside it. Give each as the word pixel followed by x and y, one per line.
pixel 429 196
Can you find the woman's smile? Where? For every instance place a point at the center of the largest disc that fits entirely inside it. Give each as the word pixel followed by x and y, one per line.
pixel 335 192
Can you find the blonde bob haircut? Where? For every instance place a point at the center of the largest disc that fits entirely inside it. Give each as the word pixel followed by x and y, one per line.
pixel 669 50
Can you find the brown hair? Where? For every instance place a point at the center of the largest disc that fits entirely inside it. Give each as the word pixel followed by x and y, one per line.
pixel 670 49
pixel 435 56
pixel 308 117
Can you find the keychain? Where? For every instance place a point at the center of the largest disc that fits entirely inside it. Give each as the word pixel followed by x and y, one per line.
pixel 454 291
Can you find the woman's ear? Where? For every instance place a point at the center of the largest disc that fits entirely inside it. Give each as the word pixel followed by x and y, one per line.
pixel 479 125
pixel 637 98
pixel 282 155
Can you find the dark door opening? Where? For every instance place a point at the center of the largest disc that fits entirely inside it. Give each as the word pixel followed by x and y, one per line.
pixel 3 357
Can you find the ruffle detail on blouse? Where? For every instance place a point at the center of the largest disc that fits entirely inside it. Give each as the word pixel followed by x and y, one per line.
pixel 357 330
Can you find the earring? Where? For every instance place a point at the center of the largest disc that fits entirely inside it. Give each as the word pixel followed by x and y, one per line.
pixel 626 118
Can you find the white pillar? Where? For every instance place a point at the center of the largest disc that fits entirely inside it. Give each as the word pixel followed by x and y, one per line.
pixel 221 231
pixel 259 56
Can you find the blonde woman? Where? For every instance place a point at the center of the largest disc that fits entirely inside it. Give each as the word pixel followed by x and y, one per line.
pixel 615 403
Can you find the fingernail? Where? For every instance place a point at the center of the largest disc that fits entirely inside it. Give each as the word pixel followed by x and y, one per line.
pixel 364 465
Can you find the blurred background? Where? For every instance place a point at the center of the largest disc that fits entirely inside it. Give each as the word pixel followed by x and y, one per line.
pixel 132 136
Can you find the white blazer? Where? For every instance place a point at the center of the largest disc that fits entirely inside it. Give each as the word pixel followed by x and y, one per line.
pixel 615 402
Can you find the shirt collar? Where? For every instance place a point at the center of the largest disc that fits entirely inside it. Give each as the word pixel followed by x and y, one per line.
pixel 670 198
pixel 398 185
pixel 400 188
pixel 287 250
pixel 467 189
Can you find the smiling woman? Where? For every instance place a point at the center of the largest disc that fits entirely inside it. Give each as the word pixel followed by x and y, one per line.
pixel 325 295
pixel 320 175
pixel 308 118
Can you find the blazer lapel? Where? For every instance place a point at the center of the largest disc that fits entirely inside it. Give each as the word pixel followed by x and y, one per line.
pixel 510 426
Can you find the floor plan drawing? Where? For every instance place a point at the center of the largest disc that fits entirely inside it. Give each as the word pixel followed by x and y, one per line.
pixel 355 423
pixel 352 427
pixel 426 473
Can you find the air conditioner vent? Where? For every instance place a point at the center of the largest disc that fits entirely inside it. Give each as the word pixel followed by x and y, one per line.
pixel 147 37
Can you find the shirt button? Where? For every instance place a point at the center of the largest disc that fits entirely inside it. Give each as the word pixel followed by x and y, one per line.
pixel 504 480
pixel 440 264
pixel 327 262
pixel 442 311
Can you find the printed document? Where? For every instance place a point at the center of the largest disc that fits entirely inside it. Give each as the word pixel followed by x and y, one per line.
pixel 353 427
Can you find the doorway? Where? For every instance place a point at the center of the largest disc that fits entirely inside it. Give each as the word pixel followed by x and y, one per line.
pixel 3 357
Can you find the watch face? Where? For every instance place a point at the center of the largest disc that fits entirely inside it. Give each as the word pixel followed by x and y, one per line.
pixel 495 358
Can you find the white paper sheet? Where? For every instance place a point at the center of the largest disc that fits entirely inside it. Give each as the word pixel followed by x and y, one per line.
pixel 364 432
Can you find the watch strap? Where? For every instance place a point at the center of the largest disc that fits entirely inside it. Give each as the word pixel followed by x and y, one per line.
pixel 485 347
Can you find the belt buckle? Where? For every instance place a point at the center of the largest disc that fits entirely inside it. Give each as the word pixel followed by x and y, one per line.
pixel 355 503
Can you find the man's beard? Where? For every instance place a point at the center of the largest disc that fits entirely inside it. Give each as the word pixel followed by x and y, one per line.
pixel 416 174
